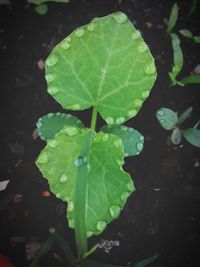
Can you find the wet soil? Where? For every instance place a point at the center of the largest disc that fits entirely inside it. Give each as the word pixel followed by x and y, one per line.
pixel 163 215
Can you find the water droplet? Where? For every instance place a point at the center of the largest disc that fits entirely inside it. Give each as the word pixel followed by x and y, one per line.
pixel 39 124
pixel 89 234
pixel 139 146
pixel 80 161
pixel 101 225
pixel 124 128
pixel 142 47
pixel 115 211
pixel 74 107
pixel 126 154
pixel 136 35
pixel 43 158
pixel 71 223
pixel 118 143
pixel 70 206
pixel 63 178
pixel 50 115
pixel 130 130
pixel 109 120
pixel 120 17
pixel 132 112
pixel 89 167
pixel 68 116
pixel 79 32
pixel 58 195
pixel 70 130
pixel 105 137
pixel 50 77
pixel 53 90
pixel 52 143
pixel 130 187
pixel 150 69
pixel 160 112
pixel 65 44
pixel 51 60
pixel 120 120
pixel 142 138
pixel 90 27
pixel 120 162
pixel 124 196
pixel 138 102
pixel 52 230
pixel 145 94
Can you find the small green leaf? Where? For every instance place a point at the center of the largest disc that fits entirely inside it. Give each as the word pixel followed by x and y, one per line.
pixel 41 9
pixel 146 261
pixel 193 7
pixel 39 2
pixel 119 73
pixel 183 116
pixel 167 118
pixel 132 140
pixel 108 185
pixel 177 58
pixel 176 136
pixel 197 39
pixel 173 18
pixel 49 125
pixel 192 79
pixel 192 135
pixel 186 33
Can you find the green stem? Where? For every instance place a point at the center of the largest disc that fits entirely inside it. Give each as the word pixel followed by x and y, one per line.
pixel 94 118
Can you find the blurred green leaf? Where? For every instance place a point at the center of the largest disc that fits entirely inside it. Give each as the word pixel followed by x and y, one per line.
pixel 167 118
pixel 173 18
pixel 186 33
pixel 41 9
pixel 39 2
pixel 191 79
pixel 193 7
pixel 197 39
pixel 176 136
pixel 192 135
pixel 184 115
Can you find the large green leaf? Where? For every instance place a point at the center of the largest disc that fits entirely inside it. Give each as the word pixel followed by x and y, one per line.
pixel 108 186
pixel 105 64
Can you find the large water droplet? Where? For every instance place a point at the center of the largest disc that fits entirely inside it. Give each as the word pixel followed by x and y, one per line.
pixel 65 44
pixel 43 158
pixel 115 211
pixel 50 115
pixel 52 143
pixel 130 187
pixel 101 225
pixel 136 35
pixel 150 69
pixel 139 146
pixel 80 161
pixel 132 112
pixel 142 47
pixel 63 178
pixel 145 94
pixel 138 102
pixel 79 32
pixel 90 27
pixel 120 17
pixel 124 196
pixel 53 90
pixel 105 137
pixel 50 77
pixel 51 60
pixel 141 138
pixel 71 131
pixel 70 206
pixel 109 120
pixel 120 120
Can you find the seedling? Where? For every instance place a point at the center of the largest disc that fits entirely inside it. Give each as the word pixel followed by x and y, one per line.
pixel 187 33
pixel 105 65
pixel 169 120
pixel 42 8
pixel 173 18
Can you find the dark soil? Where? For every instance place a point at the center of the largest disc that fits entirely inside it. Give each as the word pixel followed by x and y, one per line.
pixel 163 216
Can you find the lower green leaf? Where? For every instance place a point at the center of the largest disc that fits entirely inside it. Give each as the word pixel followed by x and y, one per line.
pixel 132 140
pixel 167 118
pixel 192 79
pixel 192 135
pixel 41 9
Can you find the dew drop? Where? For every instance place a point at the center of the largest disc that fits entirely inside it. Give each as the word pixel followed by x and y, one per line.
pixel 142 47
pixel 124 196
pixel 53 90
pixel 150 69
pixel 120 120
pixel 139 146
pixel 117 143
pixel 50 77
pixel 130 130
pixel 141 138
pixel 105 137
pixel 101 225
pixel 132 112
pixel 70 206
pixel 130 187
pixel 124 128
pixel 160 113
pixel 90 27
pixel 79 32
pixel 109 120
pixel 68 116
pixel 120 162
pixel 71 223
pixel 51 60
pixel 89 234
pixel 65 44
pixel 58 195
pixel 74 107
pixel 136 35
pixel 138 102
pixel 145 94
pixel 63 178
pixel 39 124
pixel 43 158
pixel 120 17
pixel 50 115
pixel 114 211
pixel 79 161
pixel 71 131
pixel 52 143
pixel 126 154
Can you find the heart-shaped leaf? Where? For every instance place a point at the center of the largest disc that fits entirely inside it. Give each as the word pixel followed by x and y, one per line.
pixel 108 186
pixel 192 135
pixel 105 64
pixel 49 125
pixel 132 140
pixel 167 118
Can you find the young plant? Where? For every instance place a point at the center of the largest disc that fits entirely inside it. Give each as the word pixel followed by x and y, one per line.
pixel 173 18
pixel 169 120
pixel 104 65
pixel 42 8
pixel 187 33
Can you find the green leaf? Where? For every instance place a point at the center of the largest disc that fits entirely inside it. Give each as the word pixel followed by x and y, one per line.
pixel 132 140
pixel 192 135
pixel 49 125
pixel 193 7
pixel 173 18
pixel 184 115
pixel 105 64
pixel 108 186
pixel 192 79
pixel 146 261
pixel 167 118
pixel 176 136
pixel 177 58
pixel 39 2
pixel 197 39
pixel 41 9
pixel 186 33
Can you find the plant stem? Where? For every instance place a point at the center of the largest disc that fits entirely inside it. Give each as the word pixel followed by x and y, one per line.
pixel 94 117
